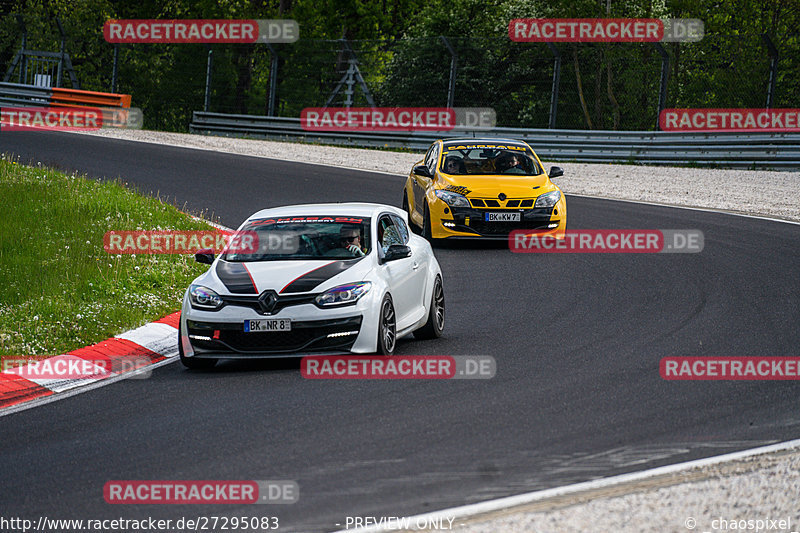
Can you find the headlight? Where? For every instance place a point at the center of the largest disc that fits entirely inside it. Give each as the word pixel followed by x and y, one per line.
pixel 548 199
pixel 452 199
pixel 343 294
pixel 204 298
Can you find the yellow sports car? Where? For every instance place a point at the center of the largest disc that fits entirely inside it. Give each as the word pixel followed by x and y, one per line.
pixel 483 188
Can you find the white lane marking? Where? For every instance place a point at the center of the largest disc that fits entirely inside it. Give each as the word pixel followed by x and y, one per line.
pixel 468 511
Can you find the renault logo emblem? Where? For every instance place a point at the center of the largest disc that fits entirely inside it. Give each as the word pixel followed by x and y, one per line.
pixel 502 196
pixel 267 301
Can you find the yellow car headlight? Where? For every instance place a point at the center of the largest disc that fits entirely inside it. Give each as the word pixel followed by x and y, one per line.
pixel 548 199
pixel 452 199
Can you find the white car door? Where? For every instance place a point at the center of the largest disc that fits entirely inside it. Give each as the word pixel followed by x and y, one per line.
pixel 420 265
pixel 404 276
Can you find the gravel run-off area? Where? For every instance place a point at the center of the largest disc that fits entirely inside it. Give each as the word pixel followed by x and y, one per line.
pixel 730 496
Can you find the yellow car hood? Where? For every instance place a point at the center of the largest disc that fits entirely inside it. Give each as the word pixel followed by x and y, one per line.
pixel 490 186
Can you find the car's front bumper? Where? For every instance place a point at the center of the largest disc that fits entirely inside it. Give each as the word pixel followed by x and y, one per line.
pixel 229 340
pixel 470 222
pixel 220 334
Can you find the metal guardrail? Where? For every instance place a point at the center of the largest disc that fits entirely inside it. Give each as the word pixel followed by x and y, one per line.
pixel 728 150
pixel 21 95
pixel 17 94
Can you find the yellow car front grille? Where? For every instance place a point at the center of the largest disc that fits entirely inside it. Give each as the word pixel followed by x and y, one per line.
pixel 494 203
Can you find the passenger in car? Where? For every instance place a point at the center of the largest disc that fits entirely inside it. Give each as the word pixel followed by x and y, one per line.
pixel 454 165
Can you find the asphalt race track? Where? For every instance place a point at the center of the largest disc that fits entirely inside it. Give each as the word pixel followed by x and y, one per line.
pixel 577 339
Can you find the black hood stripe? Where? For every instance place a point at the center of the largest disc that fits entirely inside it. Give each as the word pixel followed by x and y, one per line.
pixel 236 278
pixel 310 280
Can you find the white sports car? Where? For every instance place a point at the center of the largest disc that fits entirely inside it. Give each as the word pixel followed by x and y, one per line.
pixel 322 279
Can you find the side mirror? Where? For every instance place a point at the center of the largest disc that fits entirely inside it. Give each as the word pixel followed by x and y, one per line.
pixel 397 251
pixel 555 172
pixel 422 170
pixel 205 256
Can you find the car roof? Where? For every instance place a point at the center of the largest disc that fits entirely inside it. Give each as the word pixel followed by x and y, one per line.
pixel 486 140
pixel 360 209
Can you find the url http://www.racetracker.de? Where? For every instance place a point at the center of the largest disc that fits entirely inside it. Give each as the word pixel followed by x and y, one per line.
pixel 208 524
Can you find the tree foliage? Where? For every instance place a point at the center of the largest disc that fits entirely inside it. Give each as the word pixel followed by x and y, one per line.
pixel 404 60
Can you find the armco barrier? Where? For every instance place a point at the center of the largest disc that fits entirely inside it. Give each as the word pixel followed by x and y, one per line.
pixel 71 97
pixel 728 150
pixel 15 94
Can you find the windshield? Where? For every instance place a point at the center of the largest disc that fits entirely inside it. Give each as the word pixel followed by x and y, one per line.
pixel 488 159
pixel 306 237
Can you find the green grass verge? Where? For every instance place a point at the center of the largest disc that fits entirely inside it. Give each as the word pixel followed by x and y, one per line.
pixel 59 289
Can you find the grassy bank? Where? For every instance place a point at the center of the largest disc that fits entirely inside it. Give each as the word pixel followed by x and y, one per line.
pixel 59 289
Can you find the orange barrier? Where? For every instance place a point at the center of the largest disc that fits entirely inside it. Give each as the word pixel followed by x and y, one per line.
pixel 73 97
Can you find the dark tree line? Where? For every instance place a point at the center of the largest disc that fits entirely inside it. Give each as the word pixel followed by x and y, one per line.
pixel 404 61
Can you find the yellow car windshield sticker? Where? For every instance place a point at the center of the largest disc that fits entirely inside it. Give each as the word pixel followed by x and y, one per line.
pixel 489 146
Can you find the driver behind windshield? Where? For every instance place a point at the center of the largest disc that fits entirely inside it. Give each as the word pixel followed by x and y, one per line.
pixel 350 239
pixel 510 163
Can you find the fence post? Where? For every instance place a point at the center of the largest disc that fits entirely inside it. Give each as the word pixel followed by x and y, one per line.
pixel 451 88
pixel 114 69
pixel 662 93
pixel 207 100
pixel 273 80
pixel 23 67
pixel 62 47
pixel 773 69
pixel 556 85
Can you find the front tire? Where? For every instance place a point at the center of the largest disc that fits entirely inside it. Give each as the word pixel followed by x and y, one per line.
pixel 192 362
pixel 435 325
pixel 387 328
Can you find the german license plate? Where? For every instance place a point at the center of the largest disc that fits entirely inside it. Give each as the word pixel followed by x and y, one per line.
pixel 503 217
pixel 266 325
